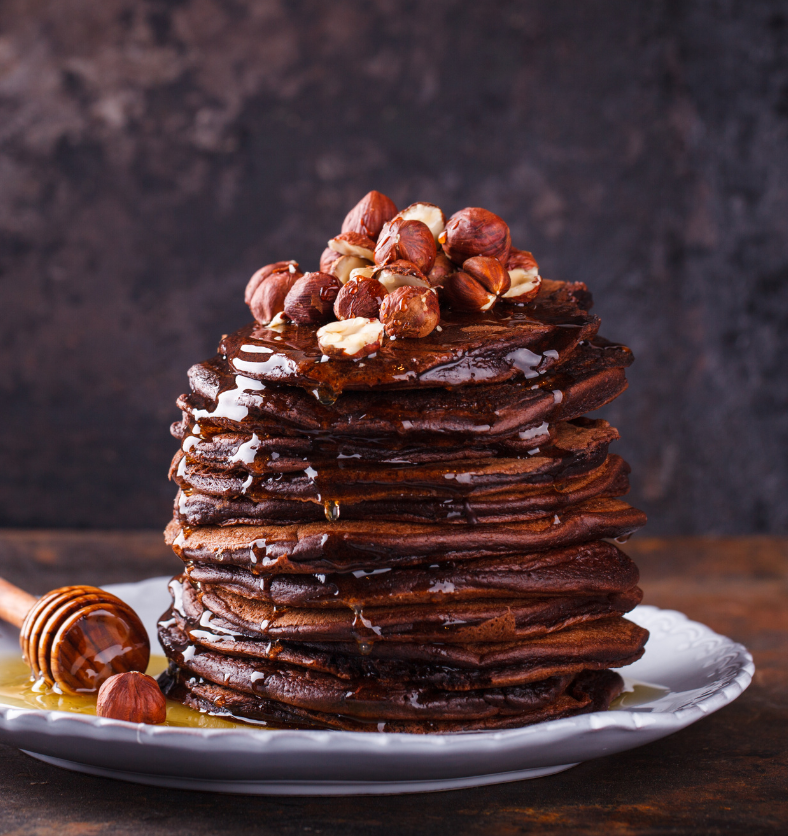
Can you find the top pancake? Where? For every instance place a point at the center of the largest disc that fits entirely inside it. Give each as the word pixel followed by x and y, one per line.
pixel 485 347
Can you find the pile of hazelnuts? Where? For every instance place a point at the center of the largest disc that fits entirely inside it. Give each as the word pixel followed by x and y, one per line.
pixel 388 272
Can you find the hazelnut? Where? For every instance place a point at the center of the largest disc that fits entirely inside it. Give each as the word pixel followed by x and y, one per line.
pixel 311 298
pixel 350 339
pixel 369 215
pixel 341 266
pixel 269 298
pixel 524 276
pixel 353 243
pixel 399 274
pixel 134 697
pixel 264 272
pixel 429 214
pixel 359 297
pixel 406 240
pixel 410 312
pixel 475 231
pixel 489 272
pixel 464 293
pixel 362 272
pixel 441 270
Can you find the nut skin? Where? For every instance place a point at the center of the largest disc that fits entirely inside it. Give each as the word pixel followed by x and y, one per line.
pixel 489 272
pixel 263 273
pixel 406 240
pixel 350 339
pixel 269 298
pixel 441 270
pixel 410 312
pixel 475 231
pixel 311 299
pixel 359 297
pixel 353 243
pixel 464 293
pixel 134 697
pixel 369 215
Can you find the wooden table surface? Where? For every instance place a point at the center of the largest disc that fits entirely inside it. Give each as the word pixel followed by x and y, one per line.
pixel 727 773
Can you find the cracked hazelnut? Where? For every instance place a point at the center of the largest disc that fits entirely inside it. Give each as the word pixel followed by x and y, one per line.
pixel 350 339
pixel 441 270
pixel 464 293
pixel 359 297
pixel 408 241
pixel 269 298
pixel 489 272
pixel 429 214
pixel 263 273
pixel 311 298
pixel 524 276
pixel 362 272
pixel 134 697
pixel 410 312
pixel 369 215
pixel 341 266
pixel 399 274
pixel 474 231
pixel 353 243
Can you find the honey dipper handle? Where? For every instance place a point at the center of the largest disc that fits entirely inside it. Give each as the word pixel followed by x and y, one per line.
pixel 15 603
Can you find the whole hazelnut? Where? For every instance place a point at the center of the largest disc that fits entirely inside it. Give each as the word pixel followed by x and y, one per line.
pixel 489 272
pixel 263 273
pixel 350 339
pixel 369 215
pixel 353 243
pixel 524 277
pixel 427 213
pixel 269 298
pixel 410 312
pixel 400 273
pixel 311 298
pixel 441 270
pixel 407 240
pixel 464 293
pixel 359 297
pixel 134 697
pixel 474 231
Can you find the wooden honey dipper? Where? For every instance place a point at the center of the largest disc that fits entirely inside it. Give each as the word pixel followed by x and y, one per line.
pixel 75 637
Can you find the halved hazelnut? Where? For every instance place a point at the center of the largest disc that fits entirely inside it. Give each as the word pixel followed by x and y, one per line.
pixel 269 298
pixel 475 231
pixel 353 243
pixel 350 339
pixel 410 312
pixel 343 265
pixel 429 214
pixel 362 272
pixel 311 298
pixel 263 273
pixel 369 215
pixel 524 277
pixel 400 274
pixel 464 293
pixel 406 240
pixel 134 697
pixel 489 272
pixel 359 298
pixel 441 270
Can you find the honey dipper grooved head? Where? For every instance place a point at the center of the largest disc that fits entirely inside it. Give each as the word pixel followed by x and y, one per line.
pixel 76 637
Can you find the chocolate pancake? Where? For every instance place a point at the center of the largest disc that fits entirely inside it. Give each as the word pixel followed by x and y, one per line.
pixel 349 545
pixel 410 542
pixel 484 347
pixel 589 691
pixel 593 376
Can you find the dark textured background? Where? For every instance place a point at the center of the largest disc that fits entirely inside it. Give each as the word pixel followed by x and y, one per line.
pixel 153 154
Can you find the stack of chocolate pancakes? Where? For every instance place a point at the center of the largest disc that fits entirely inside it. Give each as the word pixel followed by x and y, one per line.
pixel 418 541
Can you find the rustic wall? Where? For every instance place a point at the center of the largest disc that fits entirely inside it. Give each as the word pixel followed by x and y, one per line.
pixel 153 154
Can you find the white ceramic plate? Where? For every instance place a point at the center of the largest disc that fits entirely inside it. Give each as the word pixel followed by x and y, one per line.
pixel 689 672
